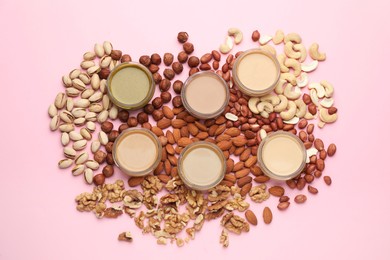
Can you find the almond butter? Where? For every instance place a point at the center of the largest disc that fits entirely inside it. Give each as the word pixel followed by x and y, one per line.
pixel 267 215
pixel 135 181
pixel 164 123
pixel 251 217
pixel 224 145
pixel 233 131
pixel 276 191
pixel 184 141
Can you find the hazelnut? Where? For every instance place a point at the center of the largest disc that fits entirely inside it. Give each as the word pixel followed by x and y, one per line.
pixel 99 179
pixel 125 58
pixel 155 59
pixel 177 86
pixel 100 156
pixel 153 68
pixel 177 67
pixel 193 61
pixel 164 85
pixel 216 55
pixel 116 54
pixel 169 73
pixel 157 77
pixel 110 159
pixel 113 135
pixel 145 60
pixel 109 146
pixel 166 97
pixel 148 109
pixel 123 115
pixel 103 73
pixel 176 101
pixel 108 171
pixel 182 37
pixel 182 57
pixel 107 126
pixel 157 115
pixel 122 127
pixel 132 122
pixel 193 71
pixel 188 47
pixel 255 36
pixel 168 59
pixel 157 102
pixel 142 117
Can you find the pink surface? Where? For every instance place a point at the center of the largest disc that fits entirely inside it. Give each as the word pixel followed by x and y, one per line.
pixel 42 40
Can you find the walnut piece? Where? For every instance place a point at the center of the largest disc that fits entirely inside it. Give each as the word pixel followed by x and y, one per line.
pixel 259 193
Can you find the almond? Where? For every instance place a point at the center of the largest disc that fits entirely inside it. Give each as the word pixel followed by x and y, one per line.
pixel 332 149
pixel 256 171
pixel 242 173
pixel 243 181
pixel 283 205
pixel 164 123
pixel 220 120
pixel 168 113
pixel 201 126
pixel 224 145
pixel 239 141
pixel 222 138
pixel 229 165
pixel 220 130
pixel 245 154
pixel 245 189
pixel 135 181
pixel 276 191
pixel 176 135
pixel 227 183
pixel 251 161
pixel 170 137
pixel 238 166
pixel 230 177
pixel 184 141
pixel 300 198
pixel 157 131
pixel 251 217
pixel 233 131
pixel 193 129
pixel 178 123
pixel 202 135
pixel 261 179
pixel 163 178
pixel 267 215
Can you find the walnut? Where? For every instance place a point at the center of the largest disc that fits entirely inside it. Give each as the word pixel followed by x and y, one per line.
pixel 219 193
pixel 216 206
pixel 191 232
pixel 199 221
pixel 237 203
pixel 139 221
pixel 215 214
pixel 132 199
pixel 234 223
pixel 259 193
pixel 151 183
pixel 125 236
pixel 150 199
pixel 169 199
pixel 112 212
pixel 224 238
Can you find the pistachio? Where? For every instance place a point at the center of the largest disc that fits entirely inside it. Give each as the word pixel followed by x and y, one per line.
pixel 95 81
pixel 66 80
pixel 79 145
pixel 78 84
pixel 69 152
pixel 102 86
pixel 91 126
pixel 78 169
pixel 87 93
pixel 107 46
pixel 66 116
pixel 79 121
pixel 69 104
pixel 81 158
pixel 72 92
pixel 106 102
pixel 92 164
pixel 52 110
pixel 94 69
pixel 79 112
pixel 113 113
pixel 99 50
pixel 105 61
pixel 89 56
pixel 60 101
pixel 96 97
pixel 66 127
pixel 88 176
pixel 90 116
pixel 74 74
pixel 85 78
pixel 95 145
pixel 95 107
pixel 86 64
pixel 65 163
pixel 83 103
pixel 102 117
pixel 54 123
pixel 86 134
pixel 65 139
pixel 103 138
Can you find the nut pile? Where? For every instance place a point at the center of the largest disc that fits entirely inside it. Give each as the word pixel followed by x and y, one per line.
pixel 154 201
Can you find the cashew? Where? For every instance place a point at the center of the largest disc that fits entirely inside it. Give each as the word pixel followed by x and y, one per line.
pixel 327 102
pixel 309 67
pixel 301 108
pixel 309 116
pixel 279 87
pixel 292 37
pixel 291 93
pixel 278 37
pixel 292 121
pixel 315 54
pixel 319 89
pixel 252 104
pixel 295 65
pixel 288 49
pixel 270 49
pixel 237 35
pixel 274 100
pixel 302 80
pixel 289 77
pixel 291 111
pixel 265 108
pixel 301 48
pixel 310 152
pixel 227 46
pixel 281 58
pixel 282 105
pixel 264 114
pixel 321 124
pixel 264 39
pixel 325 117
pixel 328 88
pixel 314 97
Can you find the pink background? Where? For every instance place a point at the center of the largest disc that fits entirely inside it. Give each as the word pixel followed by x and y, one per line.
pixel 42 40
